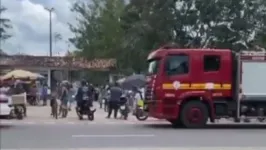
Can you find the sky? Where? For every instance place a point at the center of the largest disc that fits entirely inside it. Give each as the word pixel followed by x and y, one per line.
pixel 30 21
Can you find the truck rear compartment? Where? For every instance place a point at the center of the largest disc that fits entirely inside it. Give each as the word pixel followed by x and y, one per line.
pixel 252 102
pixel 254 81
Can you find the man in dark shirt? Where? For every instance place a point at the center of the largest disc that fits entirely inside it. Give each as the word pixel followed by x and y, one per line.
pixel 115 95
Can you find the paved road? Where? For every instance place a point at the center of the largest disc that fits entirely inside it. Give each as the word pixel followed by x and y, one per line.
pixel 125 136
pixel 39 131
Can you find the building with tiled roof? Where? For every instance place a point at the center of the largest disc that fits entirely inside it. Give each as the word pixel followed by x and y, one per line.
pixel 54 68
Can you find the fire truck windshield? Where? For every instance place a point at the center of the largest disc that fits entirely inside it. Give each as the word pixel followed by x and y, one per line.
pixel 153 66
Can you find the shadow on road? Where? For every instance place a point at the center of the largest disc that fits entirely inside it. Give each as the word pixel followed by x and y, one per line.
pixel 3 127
pixel 209 127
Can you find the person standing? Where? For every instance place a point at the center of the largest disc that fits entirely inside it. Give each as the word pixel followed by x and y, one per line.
pixel 115 95
pixel 64 99
pixel 71 96
pixel 44 94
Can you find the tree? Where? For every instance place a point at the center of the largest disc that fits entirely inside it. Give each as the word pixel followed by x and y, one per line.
pixel 98 33
pixel 148 25
pixel 5 24
pixel 130 31
pixel 260 32
pixel 87 29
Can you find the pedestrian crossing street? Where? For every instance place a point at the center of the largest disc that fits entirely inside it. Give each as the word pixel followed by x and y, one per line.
pixel 78 122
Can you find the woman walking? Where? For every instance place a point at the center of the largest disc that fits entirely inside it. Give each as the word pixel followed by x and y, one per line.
pixel 64 100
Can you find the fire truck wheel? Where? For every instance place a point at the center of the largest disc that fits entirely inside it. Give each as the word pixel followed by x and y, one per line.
pixel 194 114
pixel 176 123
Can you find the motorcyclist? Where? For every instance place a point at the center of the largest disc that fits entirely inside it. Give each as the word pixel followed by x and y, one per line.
pixel 84 95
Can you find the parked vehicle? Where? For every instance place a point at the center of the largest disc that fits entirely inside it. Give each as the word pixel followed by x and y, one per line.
pixel 18 103
pixel 189 86
pixel 5 108
pixel 124 107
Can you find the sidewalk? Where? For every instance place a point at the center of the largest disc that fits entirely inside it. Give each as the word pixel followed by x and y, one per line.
pixel 41 115
pixel 45 111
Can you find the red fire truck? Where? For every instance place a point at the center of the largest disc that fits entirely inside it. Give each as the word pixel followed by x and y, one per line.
pixel 188 87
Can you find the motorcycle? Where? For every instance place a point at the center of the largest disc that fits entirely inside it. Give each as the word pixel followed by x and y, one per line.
pixel 124 109
pixel 17 112
pixel 86 110
pixel 141 114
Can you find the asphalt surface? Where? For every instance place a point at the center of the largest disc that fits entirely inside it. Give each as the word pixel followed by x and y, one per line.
pixel 126 136
pixel 40 131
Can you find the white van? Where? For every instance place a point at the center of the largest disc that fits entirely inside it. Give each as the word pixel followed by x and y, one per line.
pixel 5 102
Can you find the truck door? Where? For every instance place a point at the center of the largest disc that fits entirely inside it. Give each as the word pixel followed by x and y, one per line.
pixel 176 69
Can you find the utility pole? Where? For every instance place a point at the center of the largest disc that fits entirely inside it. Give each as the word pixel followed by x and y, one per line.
pixel 50 10
pixel 1 25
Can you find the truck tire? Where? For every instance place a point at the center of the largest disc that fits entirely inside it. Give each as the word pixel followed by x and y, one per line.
pixel 194 114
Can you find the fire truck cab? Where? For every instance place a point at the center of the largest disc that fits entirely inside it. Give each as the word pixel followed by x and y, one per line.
pixel 188 87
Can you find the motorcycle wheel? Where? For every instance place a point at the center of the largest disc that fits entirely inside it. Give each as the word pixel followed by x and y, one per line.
pixel 19 116
pixel 91 117
pixel 19 112
pixel 141 116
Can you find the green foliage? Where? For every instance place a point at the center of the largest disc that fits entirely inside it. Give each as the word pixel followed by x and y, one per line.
pixel 5 24
pixel 129 31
